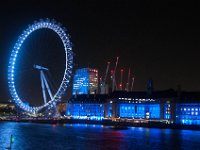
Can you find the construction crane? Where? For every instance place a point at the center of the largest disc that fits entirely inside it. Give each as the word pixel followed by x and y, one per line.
pixel 127 84
pixel 100 81
pixel 132 83
pixel 121 80
pixel 114 85
pixel 111 77
pixel 103 81
pixel 107 68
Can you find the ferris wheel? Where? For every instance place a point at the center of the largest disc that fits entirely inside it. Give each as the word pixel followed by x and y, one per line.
pixel 60 31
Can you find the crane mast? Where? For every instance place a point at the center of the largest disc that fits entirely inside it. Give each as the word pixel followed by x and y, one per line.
pixel 132 83
pixel 127 84
pixel 114 86
pixel 103 81
pixel 121 80
pixel 107 68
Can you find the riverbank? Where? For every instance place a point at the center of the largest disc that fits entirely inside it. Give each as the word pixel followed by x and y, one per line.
pixel 109 123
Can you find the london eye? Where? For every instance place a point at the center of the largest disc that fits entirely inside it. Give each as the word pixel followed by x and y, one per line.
pixel 15 53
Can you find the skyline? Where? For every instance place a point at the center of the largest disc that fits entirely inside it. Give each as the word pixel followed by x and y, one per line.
pixel 156 40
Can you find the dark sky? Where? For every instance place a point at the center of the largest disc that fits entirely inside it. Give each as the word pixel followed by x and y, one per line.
pixel 160 40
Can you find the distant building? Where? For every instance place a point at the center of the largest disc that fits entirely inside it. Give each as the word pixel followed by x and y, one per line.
pixel 85 81
pixel 7 109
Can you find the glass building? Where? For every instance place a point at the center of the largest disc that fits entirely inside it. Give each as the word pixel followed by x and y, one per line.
pixel 85 81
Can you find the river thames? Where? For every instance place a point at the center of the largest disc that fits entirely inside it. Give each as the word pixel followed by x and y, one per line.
pixel 32 136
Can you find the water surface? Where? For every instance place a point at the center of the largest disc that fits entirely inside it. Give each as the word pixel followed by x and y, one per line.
pixel 32 136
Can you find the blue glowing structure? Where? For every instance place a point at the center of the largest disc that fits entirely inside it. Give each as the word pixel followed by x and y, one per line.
pixel 90 111
pixel 139 111
pixel 85 81
pixel 41 24
pixel 81 81
pixel 109 110
pixel 188 113
pixel 167 111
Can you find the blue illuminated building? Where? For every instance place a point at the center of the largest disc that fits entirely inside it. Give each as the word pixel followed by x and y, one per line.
pixel 120 104
pixel 91 107
pixel 188 113
pixel 142 105
pixel 166 106
pixel 85 81
pixel 167 111
pixel 139 111
pixel 188 108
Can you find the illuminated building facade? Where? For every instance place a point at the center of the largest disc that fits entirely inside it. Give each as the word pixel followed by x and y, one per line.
pixel 85 81
pixel 188 113
pixel 141 105
pixel 90 107
pixel 88 111
pixel 163 106
pixel 188 108
pixel 121 104
pixel 139 111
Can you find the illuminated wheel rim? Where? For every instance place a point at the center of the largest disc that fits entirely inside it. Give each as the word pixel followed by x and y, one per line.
pixel 42 24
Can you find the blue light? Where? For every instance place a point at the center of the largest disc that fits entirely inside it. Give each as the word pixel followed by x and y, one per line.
pixel 86 111
pixel 69 60
pixel 139 111
pixel 84 81
pixel 187 113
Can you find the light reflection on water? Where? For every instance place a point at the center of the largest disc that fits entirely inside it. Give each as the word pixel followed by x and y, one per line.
pixel 30 136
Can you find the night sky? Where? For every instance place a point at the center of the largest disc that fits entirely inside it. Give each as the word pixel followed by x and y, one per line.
pixel 158 40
